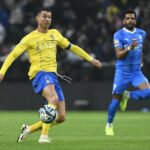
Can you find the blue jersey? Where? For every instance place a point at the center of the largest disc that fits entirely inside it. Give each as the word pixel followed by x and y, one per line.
pixel 128 69
pixel 122 39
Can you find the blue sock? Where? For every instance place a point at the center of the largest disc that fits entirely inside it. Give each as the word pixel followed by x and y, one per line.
pixel 112 109
pixel 140 94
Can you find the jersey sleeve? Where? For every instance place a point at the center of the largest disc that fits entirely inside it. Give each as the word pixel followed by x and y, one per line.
pixel 16 52
pixel 62 41
pixel 117 41
pixel 20 47
pixel 80 52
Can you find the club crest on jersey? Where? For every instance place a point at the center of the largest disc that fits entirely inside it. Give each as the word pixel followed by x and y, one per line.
pixel 52 37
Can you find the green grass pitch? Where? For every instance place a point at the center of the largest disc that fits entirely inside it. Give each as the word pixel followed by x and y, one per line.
pixel 81 131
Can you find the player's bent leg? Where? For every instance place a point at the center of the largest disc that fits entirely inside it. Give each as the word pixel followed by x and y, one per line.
pixel 140 94
pixel 61 112
pixel 143 93
pixel 25 130
pixel 50 95
pixel 45 127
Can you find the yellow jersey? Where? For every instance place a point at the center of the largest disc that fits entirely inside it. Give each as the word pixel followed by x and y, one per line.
pixel 41 49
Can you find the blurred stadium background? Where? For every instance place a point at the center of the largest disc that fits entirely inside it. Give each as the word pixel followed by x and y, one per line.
pixel 87 23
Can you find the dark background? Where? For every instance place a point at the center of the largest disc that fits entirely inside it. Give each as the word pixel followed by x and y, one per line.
pixel 89 24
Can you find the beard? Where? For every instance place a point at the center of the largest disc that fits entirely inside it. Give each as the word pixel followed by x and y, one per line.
pixel 130 26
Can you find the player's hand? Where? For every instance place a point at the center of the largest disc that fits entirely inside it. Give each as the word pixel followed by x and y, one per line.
pixel 96 63
pixel 133 45
pixel 1 77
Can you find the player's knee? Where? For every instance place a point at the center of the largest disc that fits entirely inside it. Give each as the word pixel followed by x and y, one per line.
pixel 117 96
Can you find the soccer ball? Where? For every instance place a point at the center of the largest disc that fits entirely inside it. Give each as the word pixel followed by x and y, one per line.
pixel 47 114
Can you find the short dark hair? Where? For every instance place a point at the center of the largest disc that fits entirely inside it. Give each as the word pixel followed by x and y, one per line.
pixel 129 11
pixel 43 9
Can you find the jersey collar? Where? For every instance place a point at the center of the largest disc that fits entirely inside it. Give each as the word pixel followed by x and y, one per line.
pixel 129 30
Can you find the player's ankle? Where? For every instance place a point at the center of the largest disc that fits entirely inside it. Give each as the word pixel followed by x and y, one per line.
pixel 108 124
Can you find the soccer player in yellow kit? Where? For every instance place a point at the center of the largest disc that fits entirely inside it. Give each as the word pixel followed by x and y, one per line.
pixel 41 47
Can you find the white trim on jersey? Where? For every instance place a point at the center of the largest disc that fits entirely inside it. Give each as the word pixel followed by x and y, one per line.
pixel 129 30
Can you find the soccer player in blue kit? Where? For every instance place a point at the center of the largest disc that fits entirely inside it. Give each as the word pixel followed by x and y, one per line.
pixel 128 43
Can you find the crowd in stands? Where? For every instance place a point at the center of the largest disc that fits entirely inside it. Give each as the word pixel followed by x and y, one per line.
pixel 87 23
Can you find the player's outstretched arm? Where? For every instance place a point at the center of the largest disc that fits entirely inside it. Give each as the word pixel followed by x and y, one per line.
pixel 18 50
pixel 80 52
pixel 15 53
pixel 7 63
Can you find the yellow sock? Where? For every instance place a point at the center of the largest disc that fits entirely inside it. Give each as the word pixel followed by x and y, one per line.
pixel 52 105
pixel 45 128
pixel 36 126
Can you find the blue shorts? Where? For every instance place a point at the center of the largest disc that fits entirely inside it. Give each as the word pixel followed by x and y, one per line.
pixel 125 78
pixel 42 79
